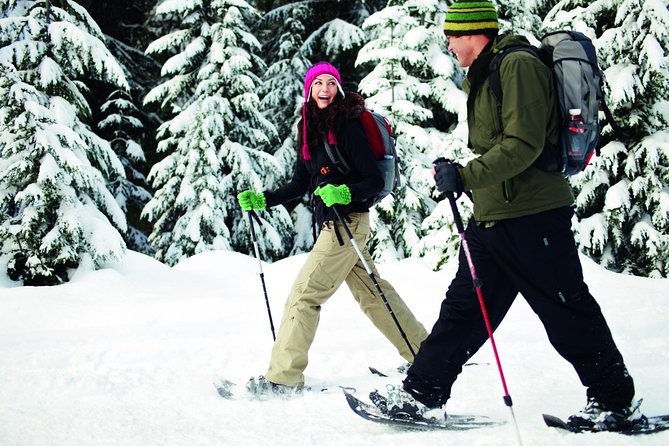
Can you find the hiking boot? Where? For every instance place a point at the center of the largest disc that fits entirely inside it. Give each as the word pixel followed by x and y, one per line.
pixel 260 386
pixel 594 417
pixel 400 404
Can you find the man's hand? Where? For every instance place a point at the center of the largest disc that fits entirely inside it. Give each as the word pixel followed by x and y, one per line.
pixel 447 176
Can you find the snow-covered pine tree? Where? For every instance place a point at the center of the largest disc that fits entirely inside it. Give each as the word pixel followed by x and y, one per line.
pixel 523 17
pixel 215 138
pixel 132 131
pixel 623 198
pixel 333 34
pixel 282 31
pixel 121 125
pixel 417 86
pixel 334 37
pixel 56 213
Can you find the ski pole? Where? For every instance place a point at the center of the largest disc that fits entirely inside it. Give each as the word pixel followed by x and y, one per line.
pixel 484 311
pixel 371 275
pixel 251 215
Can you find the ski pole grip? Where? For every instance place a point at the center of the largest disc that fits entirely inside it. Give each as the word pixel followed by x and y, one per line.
pixel 452 196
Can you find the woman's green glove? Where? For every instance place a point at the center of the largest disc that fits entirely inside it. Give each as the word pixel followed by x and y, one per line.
pixel 249 200
pixel 332 195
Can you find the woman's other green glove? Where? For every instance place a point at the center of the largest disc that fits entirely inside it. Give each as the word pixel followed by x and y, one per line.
pixel 249 200
pixel 332 195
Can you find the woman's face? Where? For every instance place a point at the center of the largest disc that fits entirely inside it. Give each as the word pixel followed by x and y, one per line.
pixel 324 90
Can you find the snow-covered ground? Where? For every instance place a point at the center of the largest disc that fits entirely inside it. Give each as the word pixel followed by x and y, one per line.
pixel 128 356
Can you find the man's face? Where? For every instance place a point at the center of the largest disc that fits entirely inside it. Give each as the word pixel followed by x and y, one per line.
pixel 464 49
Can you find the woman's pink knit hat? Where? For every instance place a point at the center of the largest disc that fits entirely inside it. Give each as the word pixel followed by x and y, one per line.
pixel 312 73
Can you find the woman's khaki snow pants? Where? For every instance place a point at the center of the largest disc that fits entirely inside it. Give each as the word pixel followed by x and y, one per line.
pixel 327 266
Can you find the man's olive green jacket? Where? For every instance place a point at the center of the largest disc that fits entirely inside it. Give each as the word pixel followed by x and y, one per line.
pixel 508 138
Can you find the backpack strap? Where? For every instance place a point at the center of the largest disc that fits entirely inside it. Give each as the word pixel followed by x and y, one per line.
pixel 336 158
pixel 617 130
pixel 493 69
pixel 548 159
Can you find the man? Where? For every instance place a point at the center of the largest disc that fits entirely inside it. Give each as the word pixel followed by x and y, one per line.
pixel 520 238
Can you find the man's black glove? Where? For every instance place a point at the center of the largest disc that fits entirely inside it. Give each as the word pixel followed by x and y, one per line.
pixel 446 176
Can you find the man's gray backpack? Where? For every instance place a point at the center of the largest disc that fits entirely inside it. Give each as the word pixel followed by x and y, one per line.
pixel 578 83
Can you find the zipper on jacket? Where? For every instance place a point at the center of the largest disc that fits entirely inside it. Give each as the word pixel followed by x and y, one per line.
pixel 505 191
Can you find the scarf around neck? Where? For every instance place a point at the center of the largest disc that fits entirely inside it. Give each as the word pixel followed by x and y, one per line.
pixel 478 72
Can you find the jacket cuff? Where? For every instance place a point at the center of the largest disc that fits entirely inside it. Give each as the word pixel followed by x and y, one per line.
pixel 261 203
pixel 345 194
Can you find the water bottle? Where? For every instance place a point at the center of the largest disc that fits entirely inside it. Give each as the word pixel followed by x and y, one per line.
pixel 577 141
pixel 576 118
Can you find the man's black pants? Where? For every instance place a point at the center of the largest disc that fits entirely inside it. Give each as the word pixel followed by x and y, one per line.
pixel 535 256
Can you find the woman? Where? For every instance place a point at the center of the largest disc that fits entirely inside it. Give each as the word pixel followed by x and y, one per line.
pixel 328 114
